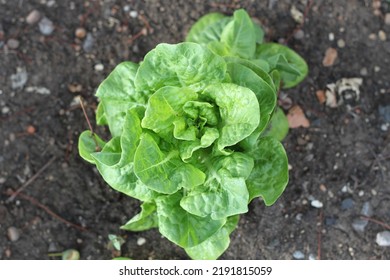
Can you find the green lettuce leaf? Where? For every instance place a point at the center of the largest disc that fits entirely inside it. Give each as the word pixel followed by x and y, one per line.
pixel 144 220
pixel 88 144
pixel 208 28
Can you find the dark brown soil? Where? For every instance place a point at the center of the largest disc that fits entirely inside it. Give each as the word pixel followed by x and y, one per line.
pixel 341 160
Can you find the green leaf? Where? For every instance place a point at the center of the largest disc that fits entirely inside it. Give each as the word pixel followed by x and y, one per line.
pixel 187 148
pixel 181 227
pixel 88 144
pixel 293 68
pixel 101 118
pixel 144 220
pixel 278 127
pixel 239 111
pixel 213 247
pixel 269 176
pixel 117 95
pixel 161 172
pixel 266 96
pixel 240 35
pixel 182 65
pixel 165 107
pixel 208 28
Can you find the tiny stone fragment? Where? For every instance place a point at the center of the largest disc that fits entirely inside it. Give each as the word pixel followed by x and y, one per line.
pixel 19 79
pixel 340 43
pixel 296 14
pixel 297 118
pixel 321 97
pixel 347 203
pixel 46 26
pixel 298 255
pixel 33 17
pixel 299 35
pixel 13 234
pixel 330 57
pixel 387 19
pixel 133 14
pixel 99 67
pixel 80 32
pixel 141 241
pixel 88 43
pixel 383 238
pixel 367 209
pixel 13 44
pixel 316 203
pixel 359 225
pixel 382 35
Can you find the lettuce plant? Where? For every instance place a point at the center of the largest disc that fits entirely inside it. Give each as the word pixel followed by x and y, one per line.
pixel 189 131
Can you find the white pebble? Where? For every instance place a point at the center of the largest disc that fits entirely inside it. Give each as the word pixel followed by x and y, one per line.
pixel 5 110
pixel 340 43
pixel 133 14
pixel 387 19
pixel 46 26
pixel 382 35
pixel 33 17
pixel 331 36
pixel 99 67
pixel 383 238
pixel 316 203
pixel 13 234
pixel 298 255
pixel 141 241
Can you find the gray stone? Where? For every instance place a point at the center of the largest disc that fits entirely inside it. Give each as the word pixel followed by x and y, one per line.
pixel 33 17
pixel 88 43
pixel 298 255
pixel 383 238
pixel 347 203
pixel 384 112
pixel 46 26
pixel 13 234
pixel 367 209
pixel 359 225
pixel 19 79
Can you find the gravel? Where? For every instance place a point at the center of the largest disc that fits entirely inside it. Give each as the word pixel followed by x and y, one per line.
pixel 383 238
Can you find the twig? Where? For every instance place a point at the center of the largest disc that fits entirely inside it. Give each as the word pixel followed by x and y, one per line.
pixel 386 226
pixel 319 233
pixel 86 116
pixel 29 181
pixel 46 209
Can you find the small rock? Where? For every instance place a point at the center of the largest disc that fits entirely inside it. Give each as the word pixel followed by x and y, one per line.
pixel 133 14
pixel 316 203
pixel 80 32
pixel 330 57
pixel 331 36
pixel 359 225
pixel 39 90
pixel 13 234
pixel 382 35
pixel 99 67
pixel 5 110
pixel 377 68
pixel 46 26
pixel 19 79
pixel 340 43
pixel 88 43
pixel 75 88
pixel 298 255
pixel 330 221
pixel 297 118
pixel 367 209
pixel 385 127
pixel 384 112
pixel 321 97
pixel 347 203
pixel 387 19
pixel 312 257
pixel 372 36
pixel 364 71
pixel 2 180
pixel 33 17
pixel 141 241
pixel 299 35
pixel 383 238
pixel 296 14
pixel 13 44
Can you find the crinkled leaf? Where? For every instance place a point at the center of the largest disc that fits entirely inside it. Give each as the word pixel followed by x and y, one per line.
pixel 164 172
pixel 218 48
pixel 144 220
pixel 187 148
pixel 239 111
pixel 182 65
pixel 88 144
pixel 269 176
pixel 208 28
pixel 101 115
pixel 117 95
pixel 293 68
pixel 278 126
pixel 165 107
pixel 213 247
pixel 181 227
pixel 240 36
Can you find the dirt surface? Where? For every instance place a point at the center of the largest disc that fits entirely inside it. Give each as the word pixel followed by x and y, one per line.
pixel 341 161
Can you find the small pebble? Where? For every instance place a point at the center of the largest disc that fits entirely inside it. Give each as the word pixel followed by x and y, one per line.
pixel 330 221
pixel 133 14
pixel 99 67
pixel 5 110
pixel 323 188
pixel 298 255
pixel 141 241
pixel 359 225
pixel 46 26
pixel 331 36
pixel 88 43
pixel 364 71
pixel 13 234
pixel 19 79
pixel 80 32
pixel 382 35
pixel 30 129
pixel 361 193
pixel 387 19
pixel 367 209
pixel 372 36
pixel 312 257
pixel 347 203
pixel 2 180
pixel 316 203
pixel 13 44
pixel 377 68
pixel 340 43
pixel 330 57
pixel 33 17
pixel 383 238
pixel 299 35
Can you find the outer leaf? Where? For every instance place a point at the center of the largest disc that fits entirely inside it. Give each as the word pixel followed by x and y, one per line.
pixel 181 227
pixel 165 107
pixel 164 173
pixel 208 28
pixel 101 115
pixel 182 65
pixel 239 111
pixel 265 94
pixel 270 173
pixel 144 220
pixel 115 161
pixel 214 246
pixel 117 94
pixel 240 35
pixel 278 127
pixel 88 144
pixel 292 61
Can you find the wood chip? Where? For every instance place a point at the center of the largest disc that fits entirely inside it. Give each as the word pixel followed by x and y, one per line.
pixel 297 118
pixel 330 57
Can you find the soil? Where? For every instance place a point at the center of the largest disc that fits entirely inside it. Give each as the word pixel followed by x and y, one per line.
pixel 340 161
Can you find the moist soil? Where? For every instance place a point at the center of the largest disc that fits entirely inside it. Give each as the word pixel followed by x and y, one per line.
pixel 338 163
